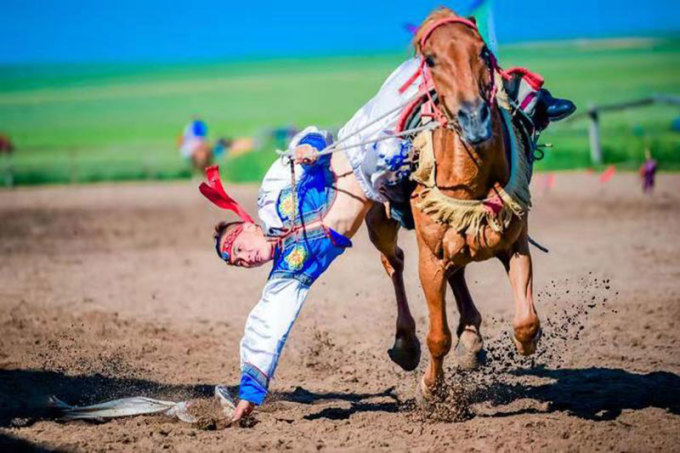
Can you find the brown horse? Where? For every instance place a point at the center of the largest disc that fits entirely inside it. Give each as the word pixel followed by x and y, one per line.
pixel 469 162
pixel 202 156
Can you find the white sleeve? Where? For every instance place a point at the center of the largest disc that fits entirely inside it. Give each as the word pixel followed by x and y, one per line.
pixel 270 322
pixel 387 98
pixel 362 157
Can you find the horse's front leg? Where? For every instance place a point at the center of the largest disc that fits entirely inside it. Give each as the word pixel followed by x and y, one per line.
pixel 383 233
pixel 468 332
pixel 517 262
pixel 432 278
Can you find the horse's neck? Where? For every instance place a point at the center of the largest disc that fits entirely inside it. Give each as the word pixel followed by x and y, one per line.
pixel 468 172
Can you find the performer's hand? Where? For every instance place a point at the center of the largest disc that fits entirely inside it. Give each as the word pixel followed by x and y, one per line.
pixel 243 409
pixel 306 154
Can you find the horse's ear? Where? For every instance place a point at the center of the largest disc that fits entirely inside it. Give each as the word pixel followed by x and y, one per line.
pixel 472 19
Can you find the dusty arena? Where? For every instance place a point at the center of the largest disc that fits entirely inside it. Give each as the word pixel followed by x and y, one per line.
pixel 115 290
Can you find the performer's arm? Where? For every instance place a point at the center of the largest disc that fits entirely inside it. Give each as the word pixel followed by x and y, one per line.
pixel 266 332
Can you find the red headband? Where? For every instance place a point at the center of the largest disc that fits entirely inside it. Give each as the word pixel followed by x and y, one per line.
pixel 226 251
pixel 213 191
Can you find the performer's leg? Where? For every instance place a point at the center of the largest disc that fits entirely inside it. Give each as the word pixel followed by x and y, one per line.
pixel 526 90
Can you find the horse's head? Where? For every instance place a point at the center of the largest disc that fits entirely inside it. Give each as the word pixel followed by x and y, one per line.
pixel 460 65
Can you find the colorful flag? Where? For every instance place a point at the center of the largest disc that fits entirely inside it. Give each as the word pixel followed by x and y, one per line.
pixel 608 174
pixel 550 181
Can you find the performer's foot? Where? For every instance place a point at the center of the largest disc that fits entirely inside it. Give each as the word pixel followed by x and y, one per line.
pixel 556 109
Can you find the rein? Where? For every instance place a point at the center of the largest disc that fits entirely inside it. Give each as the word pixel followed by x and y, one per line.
pixel 442 120
pixel 333 147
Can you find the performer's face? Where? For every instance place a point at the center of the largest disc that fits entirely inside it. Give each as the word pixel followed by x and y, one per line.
pixel 251 248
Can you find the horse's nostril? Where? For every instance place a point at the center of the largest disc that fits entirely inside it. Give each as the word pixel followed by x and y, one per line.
pixel 484 112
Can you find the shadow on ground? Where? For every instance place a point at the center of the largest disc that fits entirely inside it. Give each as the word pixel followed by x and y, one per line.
pixel 591 393
pixel 357 400
pixel 24 393
pixel 14 444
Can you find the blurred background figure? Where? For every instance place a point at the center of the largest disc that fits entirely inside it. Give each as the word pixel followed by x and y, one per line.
pixel 194 135
pixel 222 145
pixel 193 144
pixel 6 146
pixel 282 135
pixel 648 173
pixel 242 145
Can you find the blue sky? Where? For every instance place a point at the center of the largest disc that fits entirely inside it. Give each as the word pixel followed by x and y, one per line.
pixel 153 30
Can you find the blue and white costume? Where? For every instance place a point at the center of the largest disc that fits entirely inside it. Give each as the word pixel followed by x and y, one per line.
pixel 300 258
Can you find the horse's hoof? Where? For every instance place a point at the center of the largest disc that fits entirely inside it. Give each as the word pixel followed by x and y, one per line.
pixel 526 344
pixel 469 349
pixel 424 395
pixel 405 352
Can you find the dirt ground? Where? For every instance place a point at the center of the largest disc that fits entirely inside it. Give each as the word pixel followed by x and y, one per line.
pixel 115 290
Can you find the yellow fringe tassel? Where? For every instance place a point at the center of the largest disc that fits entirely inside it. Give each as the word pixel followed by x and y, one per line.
pixel 470 216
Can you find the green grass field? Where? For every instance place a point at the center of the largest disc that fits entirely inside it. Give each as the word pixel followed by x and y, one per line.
pixel 82 123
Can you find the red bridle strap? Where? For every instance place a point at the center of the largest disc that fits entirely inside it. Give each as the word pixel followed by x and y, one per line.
pixel 444 21
pixel 423 40
pixel 422 69
pixel 214 191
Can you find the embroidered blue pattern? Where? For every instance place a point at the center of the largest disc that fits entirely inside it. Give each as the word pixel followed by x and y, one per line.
pixel 315 194
pixel 398 162
pixel 307 255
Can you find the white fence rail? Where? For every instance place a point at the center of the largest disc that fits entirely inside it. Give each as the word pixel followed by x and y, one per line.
pixel 594 111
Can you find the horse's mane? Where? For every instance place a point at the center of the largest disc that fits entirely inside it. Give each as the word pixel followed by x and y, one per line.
pixel 439 13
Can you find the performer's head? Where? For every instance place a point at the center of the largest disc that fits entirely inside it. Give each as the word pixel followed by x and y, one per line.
pixel 242 244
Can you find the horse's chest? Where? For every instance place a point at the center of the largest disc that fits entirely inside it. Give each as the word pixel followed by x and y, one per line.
pixel 460 248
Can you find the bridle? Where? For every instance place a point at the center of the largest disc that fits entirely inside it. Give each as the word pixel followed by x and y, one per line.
pixel 437 113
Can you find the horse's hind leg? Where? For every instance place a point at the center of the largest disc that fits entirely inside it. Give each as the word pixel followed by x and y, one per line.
pixel 383 234
pixel 468 331
pixel 518 265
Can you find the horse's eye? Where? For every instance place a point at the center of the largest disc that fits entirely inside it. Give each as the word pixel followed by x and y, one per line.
pixel 429 61
pixel 485 53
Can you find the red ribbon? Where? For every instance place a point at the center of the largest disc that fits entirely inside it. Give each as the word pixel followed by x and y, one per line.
pixel 214 191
